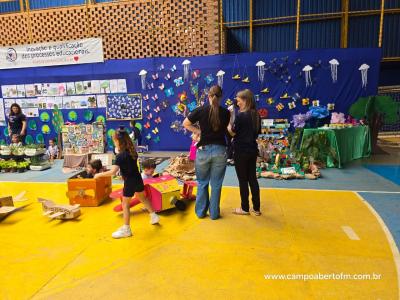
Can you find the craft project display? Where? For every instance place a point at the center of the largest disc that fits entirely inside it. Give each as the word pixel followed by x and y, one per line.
pixel 83 138
pixel 124 107
pixel 58 211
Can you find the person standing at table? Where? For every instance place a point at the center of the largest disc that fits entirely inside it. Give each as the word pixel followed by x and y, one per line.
pixel 211 151
pixel 17 122
pixel 245 130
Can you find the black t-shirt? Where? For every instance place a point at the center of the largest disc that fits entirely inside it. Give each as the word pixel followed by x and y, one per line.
pixel 208 135
pixel 15 122
pixel 127 165
pixel 245 139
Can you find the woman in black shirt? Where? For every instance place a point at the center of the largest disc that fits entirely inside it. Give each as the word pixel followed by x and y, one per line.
pixel 17 122
pixel 126 162
pixel 211 151
pixel 245 130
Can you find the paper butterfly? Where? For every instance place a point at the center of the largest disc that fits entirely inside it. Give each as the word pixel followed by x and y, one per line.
pixel 169 92
pixel 147 125
pixel 174 108
pixel 147 108
pixel 315 103
pixel 194 89
pixel 148 136
pixel 167 77
pixel 161 86
pixel 155 130
pixel 270 101
pixel 150 86
pixel 280 106
pixel 161 67
pixel 164 104
pixel 155 76
pixel 182 96
pixel 173 68
pixel 331 106
pixel 157 109
pixel 149 116
pixel 228 102
pixel 209 78
pixel 196 74
pixel 181 107
pixel 146 97
pixel 178 81
pixel 305 101
pixel 191 106
pixel 155 97
pixel 296 96
pixel 292 105
pixel 158 120
pixel 156 139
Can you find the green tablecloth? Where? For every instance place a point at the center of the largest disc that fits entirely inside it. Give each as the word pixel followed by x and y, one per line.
pixel 349 143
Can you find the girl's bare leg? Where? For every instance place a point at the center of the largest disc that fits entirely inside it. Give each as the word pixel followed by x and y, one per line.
pixel 142 198
pixel 125 210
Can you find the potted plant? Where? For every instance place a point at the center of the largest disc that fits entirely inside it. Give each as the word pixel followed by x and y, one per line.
pixel 17 150
pixel 375 110
pixel 5 150
pixel 21 167
pixel 12 165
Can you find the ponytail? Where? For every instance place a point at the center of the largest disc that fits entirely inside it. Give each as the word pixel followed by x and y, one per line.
pixel 215 95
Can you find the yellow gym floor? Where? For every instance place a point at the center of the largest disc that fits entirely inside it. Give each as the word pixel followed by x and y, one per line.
pixel 300 232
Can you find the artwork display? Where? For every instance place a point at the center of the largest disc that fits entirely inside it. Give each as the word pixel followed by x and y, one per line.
pixel 124 107
pixel 83 138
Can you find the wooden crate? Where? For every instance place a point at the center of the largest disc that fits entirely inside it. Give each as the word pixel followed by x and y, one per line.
pixel 88 192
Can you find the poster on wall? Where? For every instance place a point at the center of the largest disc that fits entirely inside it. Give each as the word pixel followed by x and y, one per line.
pixel 83 138
pixel 84 101
pixel 2 115
pixel 102 101
pixel 9 91
pixel 122 88
pixel 74 52
pixel 124 107
pixel 49 102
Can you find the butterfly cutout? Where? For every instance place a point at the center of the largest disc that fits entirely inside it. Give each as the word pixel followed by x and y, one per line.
pixel 182 96
pixel 161 67
pixel 155 130
pixel 192 106
pixel 156 139
pixel 178 81
pixel 155 76
pixel 155 97
pixel 167 77
pixel 147 125
pixel 209 78
pixel 150 86
pixel 194 89
pixel 195 74
pixel 164 104
pixel 228 102
pixel 270 101
pixel 157 109
pixel 169 92
pixel 161 86
pixel 147 108
pixel 146 97
pixel 149 116
pixel 291 105
pixel 148 136
pixel 315 103
pixel 173 68
pixel 157 120
pixel 280 106
pixel 305 101
pixel 331 106
pixel 181 107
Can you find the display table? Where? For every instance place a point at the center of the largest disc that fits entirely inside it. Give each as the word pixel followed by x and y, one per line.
pixel 76 160
pixel 349 143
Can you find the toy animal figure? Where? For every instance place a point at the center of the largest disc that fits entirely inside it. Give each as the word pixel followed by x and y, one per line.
pixel 61 212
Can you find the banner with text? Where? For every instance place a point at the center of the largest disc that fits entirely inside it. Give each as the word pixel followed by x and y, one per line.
pixel 52 54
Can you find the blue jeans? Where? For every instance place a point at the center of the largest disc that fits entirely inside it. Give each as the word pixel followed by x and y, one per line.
pixel 210 168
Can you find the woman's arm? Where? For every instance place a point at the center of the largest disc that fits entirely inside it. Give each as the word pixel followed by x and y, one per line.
pixel 189 126
pixel 114 169
pixel 23 131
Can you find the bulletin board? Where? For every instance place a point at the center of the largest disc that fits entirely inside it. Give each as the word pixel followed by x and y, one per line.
pixel 124 107
pixel 83 138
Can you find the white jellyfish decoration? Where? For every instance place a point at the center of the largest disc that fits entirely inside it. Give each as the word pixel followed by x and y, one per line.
pixel 186 68
pixel 142 75
pixel 307 71
pixel 260 70
pixel 220 76
pixel 334 67
pixel 364 74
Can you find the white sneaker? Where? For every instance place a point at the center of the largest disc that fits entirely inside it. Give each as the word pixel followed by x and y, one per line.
pixel 154 218
pixel 122 232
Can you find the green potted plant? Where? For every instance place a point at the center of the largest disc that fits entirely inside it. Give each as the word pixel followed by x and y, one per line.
pixel 5 150
pixel 21 167
pixel 12 165
pixel 376 111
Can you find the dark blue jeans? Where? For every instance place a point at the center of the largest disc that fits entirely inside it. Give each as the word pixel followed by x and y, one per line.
pixel 210 169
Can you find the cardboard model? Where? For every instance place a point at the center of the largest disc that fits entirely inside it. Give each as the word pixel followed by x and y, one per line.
pixel 58 211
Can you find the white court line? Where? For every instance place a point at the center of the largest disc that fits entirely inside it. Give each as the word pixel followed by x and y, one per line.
pixel 351 234
pixel 392 243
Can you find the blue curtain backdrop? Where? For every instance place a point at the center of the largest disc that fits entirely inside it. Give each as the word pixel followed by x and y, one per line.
pixel 279 66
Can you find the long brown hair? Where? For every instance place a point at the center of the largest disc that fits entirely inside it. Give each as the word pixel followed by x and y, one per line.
pixel 121 137
pixel 18 107
pixel 215 95
pixel 250 105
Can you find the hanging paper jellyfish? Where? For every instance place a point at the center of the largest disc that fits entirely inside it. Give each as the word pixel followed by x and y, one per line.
pixel 220 76
pixel 307 70
pixel 334 65
pixel 142 75
pixel 186 67
pixel 260 70
pixel 364 74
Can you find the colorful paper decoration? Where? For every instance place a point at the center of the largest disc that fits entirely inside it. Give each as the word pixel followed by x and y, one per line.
pixel 157 120
pixel 167 77
pixel 149 116
pixel 5 131
pixel 263 112
pixel 150 86
pixel 315 103
pixel 46 129
pixel 155 76
pixel 142 75
pixel 32 124
pixel 44 116
pixel 29 139
pixel 72 116
pixel 305 101
pixel 285 96
pixel 161 67
pixel 236 77
pixel 156 139
pixel 148 136
pixel 161 86
pixel 334 66
pixel 265 91
pixel 178 81
pixel 169 92
pixel 155 130
pixel 192 106
pixel 220 77
pixel 124 107
pixel 146 97
pixel 194 89
pixel 164 104
pixel 270 101
pixel 88 115
pixel 147 108
pixel 176 126
pixel 195 74
pixel 209 79
pixel 260 70
pixel 157 109
pixel 138 126
pixel 39 138
pixel 186 67
pixel 173 68
pixel 182 96
pixel 228 102
pixel 155 97
pixel 331 106
pixel 364 74
pixel 147 125
pixel 246 80
pixel 280 106
pixel 307 71
pixel 181 107
pixel 292 105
